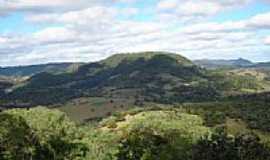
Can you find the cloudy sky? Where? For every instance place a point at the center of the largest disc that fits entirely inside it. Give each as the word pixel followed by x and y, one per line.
pixel 41 31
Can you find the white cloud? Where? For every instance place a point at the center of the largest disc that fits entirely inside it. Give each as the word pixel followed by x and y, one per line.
pixel 198 9
pixel 50 6
pixel 80 17
pixel 260 21
pixel 267 40
pixel 194 9
pixel 55 35
pixel 3 40
pixel 167 4
pixel 215 27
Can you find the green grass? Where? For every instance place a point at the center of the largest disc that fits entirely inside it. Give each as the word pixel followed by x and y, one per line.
pixel 84 109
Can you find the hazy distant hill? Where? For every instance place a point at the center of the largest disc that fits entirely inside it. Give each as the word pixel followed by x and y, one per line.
pixel 34 69
pixel 263 65
pixel 214 64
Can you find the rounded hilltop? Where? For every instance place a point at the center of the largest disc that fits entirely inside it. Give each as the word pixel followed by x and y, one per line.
pixel 118 58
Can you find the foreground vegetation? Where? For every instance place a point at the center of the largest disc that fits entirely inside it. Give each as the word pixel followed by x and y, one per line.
pixel 152 134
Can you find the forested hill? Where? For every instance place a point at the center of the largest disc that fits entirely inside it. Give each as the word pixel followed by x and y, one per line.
pixel 148 76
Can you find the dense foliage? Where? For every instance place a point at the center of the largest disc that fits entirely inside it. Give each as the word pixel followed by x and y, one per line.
pixel 221 147
pixel 253 111
pixel 39 134
pixel 135 135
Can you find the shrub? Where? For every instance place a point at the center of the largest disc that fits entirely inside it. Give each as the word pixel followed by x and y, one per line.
pixel 40 134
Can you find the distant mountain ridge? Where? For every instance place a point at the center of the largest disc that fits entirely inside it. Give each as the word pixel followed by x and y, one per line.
pixel 231 64
pixel 262 65
pixel 220 63
pixel 34 69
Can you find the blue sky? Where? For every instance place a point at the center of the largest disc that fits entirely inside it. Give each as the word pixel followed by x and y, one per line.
pixel 15 24
pixel 38 31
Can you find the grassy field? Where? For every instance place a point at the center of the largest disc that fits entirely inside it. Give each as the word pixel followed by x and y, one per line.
pixel 85 109
pixel 259 74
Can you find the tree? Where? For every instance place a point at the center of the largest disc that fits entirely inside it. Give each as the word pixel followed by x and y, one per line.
pixel 224 147
pixel 147 144
pixel 40 134
pixel 17 140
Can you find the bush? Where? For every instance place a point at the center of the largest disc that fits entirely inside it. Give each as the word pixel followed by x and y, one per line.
pixel 39 134
pixel 224 147
pixel 145 144
pixel 17 139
